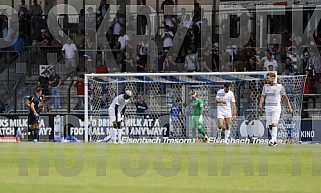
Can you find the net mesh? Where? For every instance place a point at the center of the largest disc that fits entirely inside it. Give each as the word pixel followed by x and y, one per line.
pixel 168 97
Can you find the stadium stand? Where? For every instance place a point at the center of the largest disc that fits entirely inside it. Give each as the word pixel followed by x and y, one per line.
pixel 38 50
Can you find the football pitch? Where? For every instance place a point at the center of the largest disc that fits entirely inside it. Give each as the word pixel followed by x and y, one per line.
pixel 161 168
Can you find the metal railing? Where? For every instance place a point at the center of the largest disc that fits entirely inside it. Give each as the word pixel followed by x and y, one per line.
pixel 8 73
pixel 43 55
pixel 68 99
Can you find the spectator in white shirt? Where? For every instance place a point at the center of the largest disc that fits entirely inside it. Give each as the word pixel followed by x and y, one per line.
pixel 69 51
pixel 188 23
pixel 170 21
pixel 122 44
pixel 167 37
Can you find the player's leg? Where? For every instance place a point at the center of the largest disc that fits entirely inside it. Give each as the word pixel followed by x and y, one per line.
pixel 171 127
pixel 112 119
pixel 275 120
pixel 36 132
pixel 29 127
pixel 201 130
pixel 268 115
pixel 249 126
pixel 227 131
pixel 35 126
pixel 119 129
pixel 220 121
pixel 249 129
pixel 120 132
pixel 117 132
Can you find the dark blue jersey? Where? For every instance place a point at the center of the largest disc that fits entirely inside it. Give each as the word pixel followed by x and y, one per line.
pixel 36 101
pixel 141 107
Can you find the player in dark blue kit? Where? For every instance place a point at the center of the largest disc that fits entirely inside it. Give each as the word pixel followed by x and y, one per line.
pixel 36 106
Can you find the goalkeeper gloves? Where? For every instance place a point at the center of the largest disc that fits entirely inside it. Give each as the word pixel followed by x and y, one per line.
pixel 200 120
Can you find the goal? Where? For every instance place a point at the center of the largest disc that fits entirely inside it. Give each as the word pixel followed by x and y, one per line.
pixel 168 97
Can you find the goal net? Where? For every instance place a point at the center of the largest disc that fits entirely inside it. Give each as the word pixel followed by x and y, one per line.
pixel 168 100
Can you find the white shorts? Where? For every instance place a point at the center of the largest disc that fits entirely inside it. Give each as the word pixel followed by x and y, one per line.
pixel 112 117
pixel 272 117
pixel 224 115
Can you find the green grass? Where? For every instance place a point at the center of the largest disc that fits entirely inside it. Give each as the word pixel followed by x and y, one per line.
pixel 139 168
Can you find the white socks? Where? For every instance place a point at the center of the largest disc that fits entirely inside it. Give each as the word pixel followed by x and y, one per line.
pixel 249 130
pixel 117 135
pixel 227 134
pixel 120 131
pixel 274 134
pixel 219 133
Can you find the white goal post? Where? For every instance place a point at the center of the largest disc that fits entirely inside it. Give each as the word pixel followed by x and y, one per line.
pixel 164 92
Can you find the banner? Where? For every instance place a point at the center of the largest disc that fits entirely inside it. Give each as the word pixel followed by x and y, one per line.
pixel 10 125
pixel 310 130
pixel 53 127
pixel 42 68
pixel 135 126
pixel 140 129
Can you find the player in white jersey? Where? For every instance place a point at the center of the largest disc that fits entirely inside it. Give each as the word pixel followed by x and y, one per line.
pixel 225 103
pixel 115 110
pixel 272 93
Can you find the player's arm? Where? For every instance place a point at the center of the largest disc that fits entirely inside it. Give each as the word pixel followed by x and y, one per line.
pixel 28 103
pixel 218 100
pixel 262 99
pixel 234 108
pixel 32 107
pixel 286 99
pixel 233 101
pixel 201 105
pixel 180 113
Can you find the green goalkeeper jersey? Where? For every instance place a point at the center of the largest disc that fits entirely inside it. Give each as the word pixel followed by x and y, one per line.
pixel 197 104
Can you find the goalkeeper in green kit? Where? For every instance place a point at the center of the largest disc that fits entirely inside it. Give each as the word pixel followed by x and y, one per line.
pixel 197 118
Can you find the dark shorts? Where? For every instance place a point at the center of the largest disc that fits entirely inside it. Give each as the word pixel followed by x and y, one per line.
pixel 32 119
